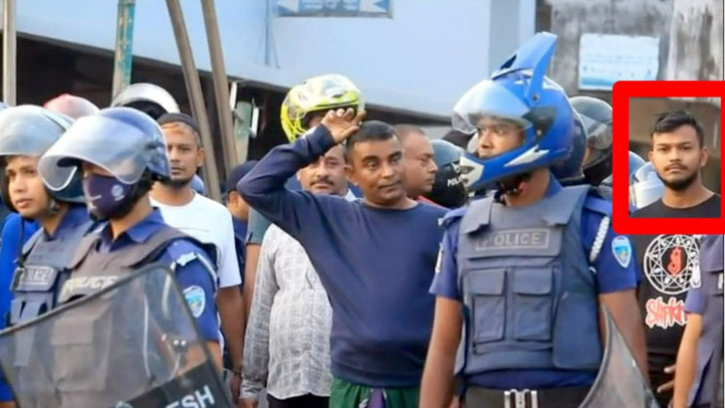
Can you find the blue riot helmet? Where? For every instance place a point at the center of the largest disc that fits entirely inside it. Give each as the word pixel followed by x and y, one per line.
pixel 29 130
pixel 519 92
pixel 569 172
pixel 448 188
pixel 597 119
pixel 635 162
pixel 126 143
pixel 197 184
pixel 150 99
pixel 645 186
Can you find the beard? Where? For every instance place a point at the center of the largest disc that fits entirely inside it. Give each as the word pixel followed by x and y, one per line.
pixel 177 183
pixel 681 184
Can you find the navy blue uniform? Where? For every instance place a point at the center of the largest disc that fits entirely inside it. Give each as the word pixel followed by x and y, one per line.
pixel 194 279
pixel 615 271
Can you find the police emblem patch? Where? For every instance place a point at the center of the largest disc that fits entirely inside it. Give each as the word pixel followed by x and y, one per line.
pixel 196 299
pixel 622 250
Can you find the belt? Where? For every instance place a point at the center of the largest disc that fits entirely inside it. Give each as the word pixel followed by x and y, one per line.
pixel 564 397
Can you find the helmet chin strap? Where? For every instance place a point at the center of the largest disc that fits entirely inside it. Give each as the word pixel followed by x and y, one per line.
pixel 53 207
pixel 511 186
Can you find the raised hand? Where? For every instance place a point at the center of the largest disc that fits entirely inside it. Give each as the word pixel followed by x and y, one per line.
pixel 342 123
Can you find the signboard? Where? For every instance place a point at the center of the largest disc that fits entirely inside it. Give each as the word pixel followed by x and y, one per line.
pixel 333 8
pixel 605 59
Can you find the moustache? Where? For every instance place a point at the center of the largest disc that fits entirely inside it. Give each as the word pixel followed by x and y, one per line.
pixel 323 180
pixel 676 166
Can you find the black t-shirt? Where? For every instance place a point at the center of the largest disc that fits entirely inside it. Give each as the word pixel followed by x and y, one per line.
pixel 709 208
pixel 667 262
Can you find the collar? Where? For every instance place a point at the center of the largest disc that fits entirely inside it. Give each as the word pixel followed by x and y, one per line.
pixel 553 188
pixel 138 233
pixel 75 216
pixel 240 227
pixel 480 210
pixel 350 196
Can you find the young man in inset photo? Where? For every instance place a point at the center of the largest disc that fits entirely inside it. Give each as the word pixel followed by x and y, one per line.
pixel 668 261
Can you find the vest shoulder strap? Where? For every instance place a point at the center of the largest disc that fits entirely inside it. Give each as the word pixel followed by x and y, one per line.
pixel 478 215
pixel 157 244
pixel 28 247
pixel 598 205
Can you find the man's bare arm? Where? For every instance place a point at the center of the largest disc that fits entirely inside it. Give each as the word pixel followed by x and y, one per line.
pixel 437 385
pixel 687 360
pixel 624 308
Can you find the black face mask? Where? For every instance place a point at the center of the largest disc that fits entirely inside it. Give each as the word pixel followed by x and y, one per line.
pixel 448 188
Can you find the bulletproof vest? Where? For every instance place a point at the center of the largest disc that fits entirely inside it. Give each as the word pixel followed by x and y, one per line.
pixel 711 275
pixel 88 261
pixel 43 268
pixel 93 271
pixel 530 299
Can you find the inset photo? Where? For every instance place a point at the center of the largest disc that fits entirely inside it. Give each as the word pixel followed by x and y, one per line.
pixel 674 164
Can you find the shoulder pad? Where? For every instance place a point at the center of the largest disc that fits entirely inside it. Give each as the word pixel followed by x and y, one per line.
pixel 180 248
pixel 598 205
pixel 184 251
pixel 452 216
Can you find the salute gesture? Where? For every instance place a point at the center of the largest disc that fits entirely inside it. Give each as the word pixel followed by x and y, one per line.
pixel 342 123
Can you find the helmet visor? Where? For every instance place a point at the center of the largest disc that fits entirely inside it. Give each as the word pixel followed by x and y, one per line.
pixel 488 98
pixel 122 150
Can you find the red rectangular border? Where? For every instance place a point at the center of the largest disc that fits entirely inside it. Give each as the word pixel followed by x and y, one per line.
pixel 621 93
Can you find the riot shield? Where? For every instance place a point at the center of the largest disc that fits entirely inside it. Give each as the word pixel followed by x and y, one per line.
pixel 132 344
pixel 619 382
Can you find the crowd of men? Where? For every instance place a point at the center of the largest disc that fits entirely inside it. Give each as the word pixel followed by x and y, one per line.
pixel 363 264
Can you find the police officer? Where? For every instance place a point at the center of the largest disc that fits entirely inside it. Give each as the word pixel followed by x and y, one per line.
pixel 521 273
pixel 26 132
pixel 150 99
pixel 698 376
pixel 38 269
pixel 596 116
pixel 448 188
pixel 116 182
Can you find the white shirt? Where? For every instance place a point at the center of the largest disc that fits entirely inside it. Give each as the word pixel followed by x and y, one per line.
pixel 210 223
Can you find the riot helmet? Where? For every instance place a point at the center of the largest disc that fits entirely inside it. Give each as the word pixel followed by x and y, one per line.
pixel 645 186
pixel 448 188
pixel 518 92
pixel 597 118
pixel 150 99
pixel 29 130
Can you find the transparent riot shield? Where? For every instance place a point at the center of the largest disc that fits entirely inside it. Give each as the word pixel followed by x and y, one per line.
pixel 132 344
pixel 619 383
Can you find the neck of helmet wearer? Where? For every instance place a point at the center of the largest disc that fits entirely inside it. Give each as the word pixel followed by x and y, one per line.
pixel 530 191
pixel 50 219
pixel 138 213
pixel 172 195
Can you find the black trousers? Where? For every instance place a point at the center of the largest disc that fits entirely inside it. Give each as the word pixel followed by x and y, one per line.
pixel 305 401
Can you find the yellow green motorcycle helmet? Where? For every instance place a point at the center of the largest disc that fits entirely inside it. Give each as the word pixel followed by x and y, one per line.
pixel 316 94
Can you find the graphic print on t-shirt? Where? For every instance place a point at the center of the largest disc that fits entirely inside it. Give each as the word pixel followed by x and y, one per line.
pixel 669 263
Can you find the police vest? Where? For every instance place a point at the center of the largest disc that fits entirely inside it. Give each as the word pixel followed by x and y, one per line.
pixel 43 268
pixel 107 346
pixel 530 299
pixel 711 281
pixel 94 270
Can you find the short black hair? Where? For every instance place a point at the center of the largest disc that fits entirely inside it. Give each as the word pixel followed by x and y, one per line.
pixel 371 131
pixel 669 121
